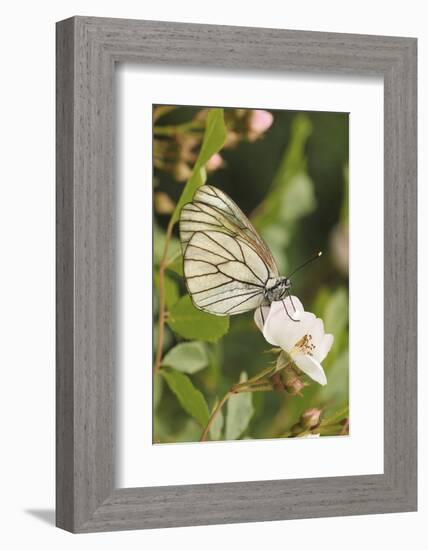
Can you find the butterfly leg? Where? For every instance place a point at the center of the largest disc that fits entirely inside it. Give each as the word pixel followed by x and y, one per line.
pixel 263 317
pixel 286 311
pixel 291 300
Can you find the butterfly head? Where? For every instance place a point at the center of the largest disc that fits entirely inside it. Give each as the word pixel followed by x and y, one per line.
pixel 276 289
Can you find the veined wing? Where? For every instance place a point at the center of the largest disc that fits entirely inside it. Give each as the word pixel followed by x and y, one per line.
pixel 223 274
pixel 213 210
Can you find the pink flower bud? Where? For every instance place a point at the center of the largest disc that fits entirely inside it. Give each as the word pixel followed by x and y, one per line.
pixel 182 172
pixel 163 204
pixel 260 121
pixel 310 418
pixel 215 162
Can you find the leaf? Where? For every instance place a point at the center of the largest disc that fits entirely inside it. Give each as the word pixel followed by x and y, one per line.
pixel 320 302
pixel 344 211
pixel 190 398
pixel 336 417
pixel 157 390
pixel 337 388
pixel 214 138
pixel 291 195
pixel 336 312
pixel 189 357
pixel 174 246
pixel 172 293
pixel 239 412
pixel 217 425
pixel 191 432
pixel 333 429
pixel 193 324
pixel 213 375
pixel 299 198
pixel 176 265
pixel 162 110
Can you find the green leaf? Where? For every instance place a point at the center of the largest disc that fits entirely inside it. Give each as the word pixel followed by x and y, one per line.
pixel 157 390
pixel 189 357
pixel 191 399
pixel 239 412
pixel 336 312
pixel 299 198
pixel 344 211
pixel 291 195
pixel 194 324
pixel 191 432
pixel 174 246
pixel 337 388
pixel 176 265
pixel 172 293
pixel 336 417
pixel 333 429
pixel 320 302
pixel 217 425
pixel 214 138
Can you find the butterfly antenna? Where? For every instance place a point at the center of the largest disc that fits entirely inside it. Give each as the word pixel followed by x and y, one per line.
pixel 305 263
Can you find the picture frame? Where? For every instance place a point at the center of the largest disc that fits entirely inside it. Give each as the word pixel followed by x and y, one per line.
pixel 87 51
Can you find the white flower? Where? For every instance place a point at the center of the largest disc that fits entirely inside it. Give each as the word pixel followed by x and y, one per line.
pixel 302 336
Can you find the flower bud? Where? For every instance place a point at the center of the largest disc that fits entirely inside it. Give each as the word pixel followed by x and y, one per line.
pixel 163 204
pixel 214 162
pixel 276 382
pixel 291 381
pixel 260 121
pixel 310 418
pixel 232 139
pixel 182 171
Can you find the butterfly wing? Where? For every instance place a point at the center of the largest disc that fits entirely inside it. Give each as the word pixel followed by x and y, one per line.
pixel 226 263
pixel 211 209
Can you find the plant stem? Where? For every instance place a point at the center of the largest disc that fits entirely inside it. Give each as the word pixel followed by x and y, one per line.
pixel 214 415
pixel 243 387
pixel 162 110
pixel 345 428
pixel 162 265
pixel 179 128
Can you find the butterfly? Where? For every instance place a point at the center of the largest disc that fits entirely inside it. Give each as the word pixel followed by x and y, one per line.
pixel 228 268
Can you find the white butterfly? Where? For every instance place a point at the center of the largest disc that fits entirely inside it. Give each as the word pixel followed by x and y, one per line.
pixel 228 267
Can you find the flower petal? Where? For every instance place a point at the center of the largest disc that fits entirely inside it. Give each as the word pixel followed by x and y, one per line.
pixel 260 316
pixel 280 330
pixel 317 332
pixel 293 303
pixel 311 367
pixel 324 347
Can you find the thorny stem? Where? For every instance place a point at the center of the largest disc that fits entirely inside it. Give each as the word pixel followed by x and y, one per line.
pixel 162 315
pixel 214 415
pixel 247 386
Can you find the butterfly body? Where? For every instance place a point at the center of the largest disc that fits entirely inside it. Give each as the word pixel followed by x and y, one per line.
pixel 276 289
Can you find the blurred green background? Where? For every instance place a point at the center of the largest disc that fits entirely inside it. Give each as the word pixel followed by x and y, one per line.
pixel 291 180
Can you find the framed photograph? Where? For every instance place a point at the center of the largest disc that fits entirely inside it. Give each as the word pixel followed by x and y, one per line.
pixel 236 274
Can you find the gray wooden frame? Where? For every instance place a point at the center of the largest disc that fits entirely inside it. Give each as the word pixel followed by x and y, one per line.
pixel 87 50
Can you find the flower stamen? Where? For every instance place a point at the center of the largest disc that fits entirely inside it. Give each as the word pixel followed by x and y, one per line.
pixel 305 345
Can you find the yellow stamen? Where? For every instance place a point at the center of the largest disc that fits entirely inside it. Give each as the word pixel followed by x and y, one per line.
pixel 304 345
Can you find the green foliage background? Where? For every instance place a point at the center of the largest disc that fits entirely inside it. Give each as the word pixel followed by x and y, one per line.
pixel 292 183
